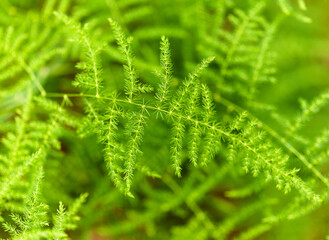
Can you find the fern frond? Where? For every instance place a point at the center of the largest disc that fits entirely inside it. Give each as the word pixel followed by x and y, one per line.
pixel 16 174
pixel 180 100
pixel 184 101
pixel 132 85
pixel 59 223
pixel 208 104
pixel 308 109
pixel 195 133
pixel 112 150
pixel 35 212
pixel 178 130
pixel 18 56
pixel 263 69
pixel 71 215
pixel 244 52
pixel 320 142
pixel 205 167
pixel 245 24
pixel 260 156
pixel 166 73
pixel 212 142
pixel 35 215
pixel 91 78
pixel 135 131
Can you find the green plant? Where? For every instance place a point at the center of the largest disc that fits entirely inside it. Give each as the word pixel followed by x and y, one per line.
pixel 196 141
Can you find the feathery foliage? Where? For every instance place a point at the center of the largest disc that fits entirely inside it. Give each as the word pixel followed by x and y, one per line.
pixel 179 118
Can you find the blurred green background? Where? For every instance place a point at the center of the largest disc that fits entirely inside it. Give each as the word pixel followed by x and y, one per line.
pixel 161 210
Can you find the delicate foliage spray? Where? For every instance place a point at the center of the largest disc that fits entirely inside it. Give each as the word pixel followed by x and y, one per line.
pixel 103 136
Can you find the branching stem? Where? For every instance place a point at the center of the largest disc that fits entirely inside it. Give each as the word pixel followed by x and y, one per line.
pixel 221 131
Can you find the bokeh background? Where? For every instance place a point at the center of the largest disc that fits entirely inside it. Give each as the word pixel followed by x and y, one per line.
pixel 302 71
